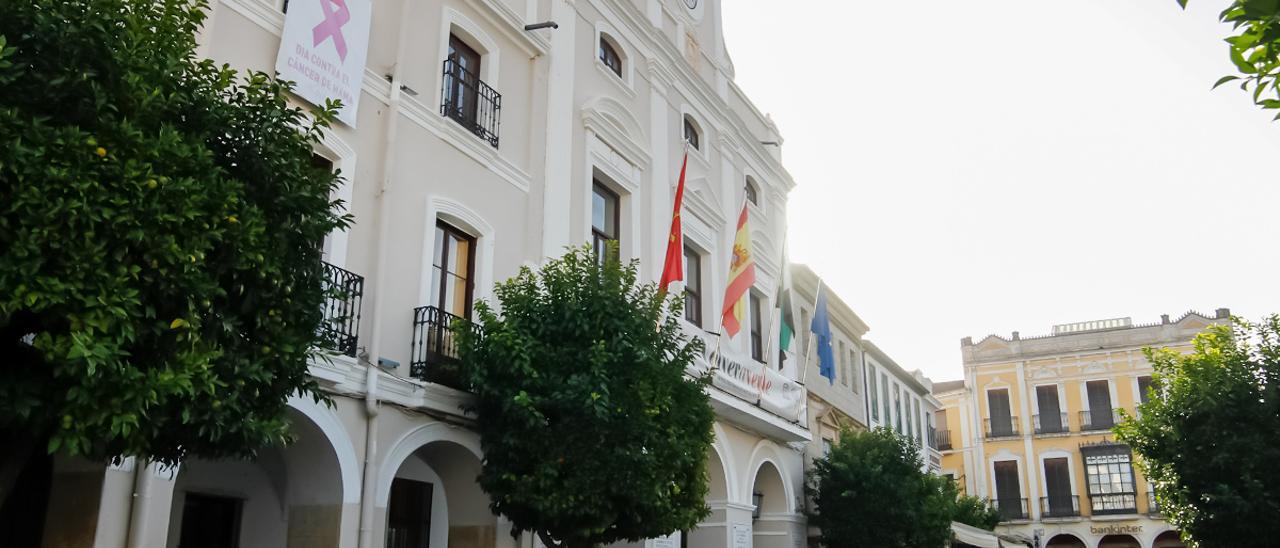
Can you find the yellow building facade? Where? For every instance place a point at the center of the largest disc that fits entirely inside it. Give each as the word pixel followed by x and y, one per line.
pixel 1029 427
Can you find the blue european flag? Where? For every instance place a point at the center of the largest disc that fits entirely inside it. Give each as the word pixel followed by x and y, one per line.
pixel 821 327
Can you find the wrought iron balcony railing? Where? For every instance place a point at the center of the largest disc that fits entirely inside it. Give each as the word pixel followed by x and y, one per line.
pixel 942 440
pixel 1051 423
pixel 1011 509
pixel 434 357
pixel 1090 421
pixel 1113 503
pixel 1060 506
pixel 1002 427
pixel 471 102
pixel 340 326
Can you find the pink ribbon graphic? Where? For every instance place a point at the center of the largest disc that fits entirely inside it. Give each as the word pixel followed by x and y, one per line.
pixel 331 27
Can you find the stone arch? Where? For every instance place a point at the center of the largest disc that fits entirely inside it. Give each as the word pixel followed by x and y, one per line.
pixel 326 419
pixel 1169 538
pixel 430 476
pixel 1065 540
pixel 767 453
pixel 1118 541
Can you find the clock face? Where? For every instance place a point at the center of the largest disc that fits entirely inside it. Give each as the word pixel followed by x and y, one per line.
pixel 691 3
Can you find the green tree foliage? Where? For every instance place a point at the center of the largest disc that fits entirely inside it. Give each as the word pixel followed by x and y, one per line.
pixel 1209 435
pixel 160 277
pixel 851 485
pixel 591 430
pixel 1254 49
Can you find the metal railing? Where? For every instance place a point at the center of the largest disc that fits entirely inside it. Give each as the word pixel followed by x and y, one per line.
pixel 1090 421
pixel 1113 503
pixel 1060 506
pixel 942 440
pixel 1002 428
pixel 1153 505
pixel 1051 423
pixel 471 102
pixel 434 357
pixel 340 325
pixel 1011 509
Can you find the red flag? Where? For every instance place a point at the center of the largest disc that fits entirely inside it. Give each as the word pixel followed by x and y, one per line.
pixel 673 266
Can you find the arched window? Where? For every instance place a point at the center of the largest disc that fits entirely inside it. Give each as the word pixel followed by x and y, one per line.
pixel 609 56
pixel 691 132
pixel 753 191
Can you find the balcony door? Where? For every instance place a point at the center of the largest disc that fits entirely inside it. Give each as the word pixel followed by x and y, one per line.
pixel 1099 404
pixel 1008 489
pixel 1001 415
pixel 462 77
pixel 1050 410
pixel 1057 485
pixel 452 271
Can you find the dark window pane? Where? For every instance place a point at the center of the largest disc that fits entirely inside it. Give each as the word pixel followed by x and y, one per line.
pixel 690 133
pixel 692 286
pixel 409 514
pixel 609 56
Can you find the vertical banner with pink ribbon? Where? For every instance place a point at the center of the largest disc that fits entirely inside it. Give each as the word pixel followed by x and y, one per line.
pixel 323 51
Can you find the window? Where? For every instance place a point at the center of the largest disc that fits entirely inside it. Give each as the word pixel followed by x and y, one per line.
pixel 826 446
pixel 209 520
pixel 875 396
pixel 1099 416
pixel 757 327
pixel 911 433
pixel 841 370
pixel 609 56
pixel 462 78
pixel 1000 422
pixel 857 370
pixel 1057 484
pixel 897 407
pixel 1109 469
pixel 409 514
pixel 691 133
pixel 1008 490
pixel 884 395
pixel 915 419
pixel 1144 387
pixel 452 270
pixel 752 191
pixel 604 220
pixel 692 286
pixel 1049 420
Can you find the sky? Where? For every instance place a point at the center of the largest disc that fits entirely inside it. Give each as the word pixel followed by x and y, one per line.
pixel 986 166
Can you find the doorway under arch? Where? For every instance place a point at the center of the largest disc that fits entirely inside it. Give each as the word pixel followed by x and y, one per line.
pixel 1168 539
pixel 1119 541
pixel 434 500
pixel 772 520
pixel 1065 540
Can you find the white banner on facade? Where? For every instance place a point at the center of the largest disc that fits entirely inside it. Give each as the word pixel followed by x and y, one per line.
pixel 323 51
pixel 752 381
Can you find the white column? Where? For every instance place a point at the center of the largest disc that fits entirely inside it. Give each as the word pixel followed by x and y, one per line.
pixel 557 193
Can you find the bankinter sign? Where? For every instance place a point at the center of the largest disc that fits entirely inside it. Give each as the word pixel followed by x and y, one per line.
pixel 323 51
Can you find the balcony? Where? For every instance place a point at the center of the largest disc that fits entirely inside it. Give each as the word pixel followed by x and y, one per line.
pixel 1092 422
pixel 1060 506
pixel 339 327
pixel 435 346
pixel 1153 505
pixel 1011 509
pixel 942 440
pixel 1006 427
pixel 470 102
pixel 1113 503
pixel 1051 423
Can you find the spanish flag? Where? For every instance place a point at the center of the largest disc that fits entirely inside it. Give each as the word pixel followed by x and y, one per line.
pixel 742 275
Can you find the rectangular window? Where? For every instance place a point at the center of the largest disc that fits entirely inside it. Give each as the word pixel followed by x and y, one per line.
pixel 875 396
pixel 857 370
pixel 1099 415
pixel 453 269
pixel 409 514
pixel 1009 490
pixel 604 220
pixel 209 520
pixel 1049 420
pixel 897 408
pixel 610 57
pixel 884 395
pixel 757 327
pixel 915 420
pixel 462 79
pixel 1000 422
pixel 692 286
pixel 1057 484
pixel 841 367
pixel 1144 388
pixel 1109 470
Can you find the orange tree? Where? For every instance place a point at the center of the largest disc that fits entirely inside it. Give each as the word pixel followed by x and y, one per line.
pixel 160 282
pixel 592 431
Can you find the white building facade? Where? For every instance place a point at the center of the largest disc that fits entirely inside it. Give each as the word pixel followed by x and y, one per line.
pixel 902 401
pixel 478 147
